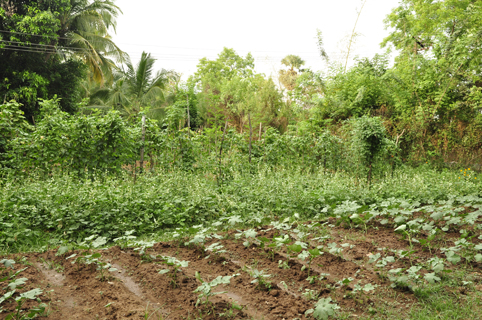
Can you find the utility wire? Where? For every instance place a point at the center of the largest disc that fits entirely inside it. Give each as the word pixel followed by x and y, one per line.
pixel 34 35
pixel 157 57
pixel 167 47
pixel 40 46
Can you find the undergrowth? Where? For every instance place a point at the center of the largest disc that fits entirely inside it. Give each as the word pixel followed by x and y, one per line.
pixel 38 212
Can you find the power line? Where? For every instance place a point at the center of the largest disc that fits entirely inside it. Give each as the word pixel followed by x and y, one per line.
pixel 159 58
pixel 26 50
pixel 41 46
pixel 169 47
pixel 35 35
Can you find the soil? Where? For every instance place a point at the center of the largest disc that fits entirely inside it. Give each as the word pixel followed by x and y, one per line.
pixel 136 290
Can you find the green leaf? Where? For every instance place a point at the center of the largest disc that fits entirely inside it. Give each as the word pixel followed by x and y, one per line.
pixel 62 250
pixel 71 256
pixel 32 294
pixel 452 257
pixel 17 283
pixel 250 233
pixel 220 280
pixel 6 296
pixel 368 287
pixel 99 242
pixel 7 263
pixel 431 278
pixel 295 248
pixel 323 309
pixel 305 254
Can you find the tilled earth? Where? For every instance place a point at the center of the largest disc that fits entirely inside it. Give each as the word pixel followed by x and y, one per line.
pixel 138 291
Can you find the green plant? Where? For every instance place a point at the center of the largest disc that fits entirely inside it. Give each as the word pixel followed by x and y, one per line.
pixel 260 279
pixel 323 309
pixel 205 289
pixel 310 294
pixel 369 139
pixel 124 240
pixel 176 267
pixel 216 248
pixel 311 254
pixel 15 283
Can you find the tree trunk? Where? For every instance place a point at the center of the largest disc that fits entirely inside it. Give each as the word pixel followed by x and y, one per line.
pixel 221 151
pixel 188 118
pixel 143 139
pixel 250 135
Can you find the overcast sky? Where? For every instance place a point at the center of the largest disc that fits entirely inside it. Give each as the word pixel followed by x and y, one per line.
pixel 179 33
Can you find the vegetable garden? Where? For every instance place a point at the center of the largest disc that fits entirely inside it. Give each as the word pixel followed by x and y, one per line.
pixel 348 193
pixel 353 252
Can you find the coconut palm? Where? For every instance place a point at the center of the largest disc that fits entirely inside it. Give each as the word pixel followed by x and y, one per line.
pixel 84 31
pixel 288 77
pixel 134 88
pixel 144 88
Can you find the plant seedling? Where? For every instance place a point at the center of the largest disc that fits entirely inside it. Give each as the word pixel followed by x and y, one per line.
pixel 125 239
pixel 294 248
pixel 310 254
pixel 176 265
pixel 249 234
pixel 260 279
pixel 144 245
pixel 20 312
pixel 205 289
pixel 216 248
pixel 323 309
pixel 310 294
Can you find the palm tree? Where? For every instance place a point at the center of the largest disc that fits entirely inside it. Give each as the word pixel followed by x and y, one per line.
pixel 84 30
pixel 293 61
pixel 145 88
pixel 288 77
pixel 133 88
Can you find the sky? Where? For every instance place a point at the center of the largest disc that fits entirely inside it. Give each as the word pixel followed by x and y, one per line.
pixel 179 33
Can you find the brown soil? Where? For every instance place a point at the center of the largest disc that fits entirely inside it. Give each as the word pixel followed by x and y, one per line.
pixel 138 291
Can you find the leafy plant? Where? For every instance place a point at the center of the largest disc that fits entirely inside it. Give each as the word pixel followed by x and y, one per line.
pixel 15 283
pixel 205 289
pixel 310 294
pixel 216 248
pixel 124 240
pixel 311 254
pixel 260 279
pixel 176 267
pixel 323 309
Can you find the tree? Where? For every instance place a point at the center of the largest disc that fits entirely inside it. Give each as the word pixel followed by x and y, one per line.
pixel 437 75
pixel 230 90
pixel 44 45
pixel 288 77
pixel 84 30
pixel 212 80
pixel 368 141
pixel 134 88
pixel 27 29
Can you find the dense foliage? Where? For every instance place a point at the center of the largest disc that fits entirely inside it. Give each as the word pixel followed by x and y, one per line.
pixel 77 107
pixel 67 208
pixel 46 48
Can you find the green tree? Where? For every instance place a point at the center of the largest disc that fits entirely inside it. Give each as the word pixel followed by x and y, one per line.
pixel 84 33
pixel 369 139
pixel 437 75
pixel 212 80
pixel 45 45
pixel 288 77
pixel 135 88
